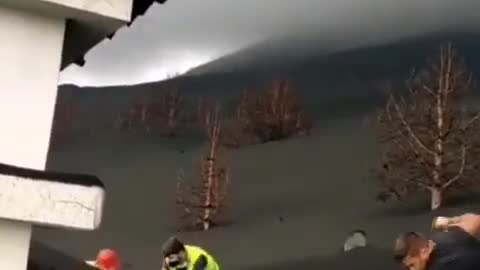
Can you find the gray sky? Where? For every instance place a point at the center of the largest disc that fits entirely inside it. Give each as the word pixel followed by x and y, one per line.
pixel 181 34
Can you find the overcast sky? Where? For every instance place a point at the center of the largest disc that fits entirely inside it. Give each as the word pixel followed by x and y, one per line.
pixel 181 34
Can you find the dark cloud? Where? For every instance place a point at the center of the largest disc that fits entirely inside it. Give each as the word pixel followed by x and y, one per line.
pixel 182 33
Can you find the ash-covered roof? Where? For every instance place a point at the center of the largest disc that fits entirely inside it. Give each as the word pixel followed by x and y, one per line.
pixel 52 176
pixel 80 37
pixel 42 257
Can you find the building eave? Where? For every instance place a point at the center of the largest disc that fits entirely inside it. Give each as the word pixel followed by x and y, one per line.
pixel 80 37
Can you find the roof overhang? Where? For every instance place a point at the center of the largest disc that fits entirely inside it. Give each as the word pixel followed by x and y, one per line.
pixel 88 21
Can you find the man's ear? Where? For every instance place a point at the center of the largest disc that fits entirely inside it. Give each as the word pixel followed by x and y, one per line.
pixel 427 248
pixel 430 244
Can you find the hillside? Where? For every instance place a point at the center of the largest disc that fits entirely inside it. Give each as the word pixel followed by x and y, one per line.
pixel 318 185
pixel 385 59
pixel 336 84
pixel 292 203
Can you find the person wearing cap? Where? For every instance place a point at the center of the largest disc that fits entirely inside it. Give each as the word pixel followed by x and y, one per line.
pixel 454 246
pixel 178 256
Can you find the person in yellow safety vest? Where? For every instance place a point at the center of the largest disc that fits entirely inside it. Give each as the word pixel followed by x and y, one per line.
pixel 178 256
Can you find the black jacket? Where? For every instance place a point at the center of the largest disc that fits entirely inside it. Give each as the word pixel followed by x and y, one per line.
pixel 454 250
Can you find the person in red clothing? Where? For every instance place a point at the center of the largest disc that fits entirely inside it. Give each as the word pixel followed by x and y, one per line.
pixel 108 259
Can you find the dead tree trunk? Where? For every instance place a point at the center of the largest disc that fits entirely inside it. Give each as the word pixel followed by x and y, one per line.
pixel 213 127
pixel 169 111
pixel 441 105
pixel 205 203
pixel 436 198
pixel 144 111
pixel 173 104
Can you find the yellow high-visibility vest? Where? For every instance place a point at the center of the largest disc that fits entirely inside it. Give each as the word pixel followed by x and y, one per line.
pixel 194 253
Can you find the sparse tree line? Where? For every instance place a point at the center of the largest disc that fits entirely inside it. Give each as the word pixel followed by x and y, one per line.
pixel 273 114
pixel 259 116
pixel 162 114
pixel 430 138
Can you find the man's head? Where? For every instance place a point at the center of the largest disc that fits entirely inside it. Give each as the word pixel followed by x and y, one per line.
pixel 413 250
pixel 174 254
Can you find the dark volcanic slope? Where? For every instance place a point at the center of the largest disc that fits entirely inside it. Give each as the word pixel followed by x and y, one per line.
pixel 357 259
pixel 42 257
pixel 287 54
pixel 343 82
pixel 292 202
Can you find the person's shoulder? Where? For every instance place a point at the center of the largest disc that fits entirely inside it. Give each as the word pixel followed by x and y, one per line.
pixel 461 264
pixel 446 266
pixel 193 248
pixel 196 250
pixel 470 259
pixel 454 236
pixel 457 258
pixel 440 267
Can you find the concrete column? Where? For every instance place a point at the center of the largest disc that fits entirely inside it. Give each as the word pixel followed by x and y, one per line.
pixel 30 54
pixel 14 244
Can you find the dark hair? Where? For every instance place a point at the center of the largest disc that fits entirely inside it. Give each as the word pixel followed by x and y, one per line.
pixel 408 244
pixel 172 246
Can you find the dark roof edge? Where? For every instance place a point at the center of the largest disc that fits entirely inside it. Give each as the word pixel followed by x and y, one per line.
pixel 77 45
pixel 51 176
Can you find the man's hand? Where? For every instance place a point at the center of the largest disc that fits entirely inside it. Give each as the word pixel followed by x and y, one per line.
pixel 469 222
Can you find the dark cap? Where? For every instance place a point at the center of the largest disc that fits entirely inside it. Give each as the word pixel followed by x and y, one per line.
pixel 172 246
pixel 407 244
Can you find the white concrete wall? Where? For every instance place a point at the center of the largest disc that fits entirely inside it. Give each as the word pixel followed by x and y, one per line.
pixel 49 203
pixel 106 11
pixel 14 245
pixel 120 9
pixel 30 52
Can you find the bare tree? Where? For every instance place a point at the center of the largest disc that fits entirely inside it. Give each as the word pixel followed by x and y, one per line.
pixel 430 140
pixel 203 202
pixel 277 113
pixel 272 114
pixel 202 109
pixel 161 112
pixel 169 110
pixel 137 116
pixel 237 130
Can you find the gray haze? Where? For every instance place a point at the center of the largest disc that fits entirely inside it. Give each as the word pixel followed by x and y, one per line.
pixel 182 34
